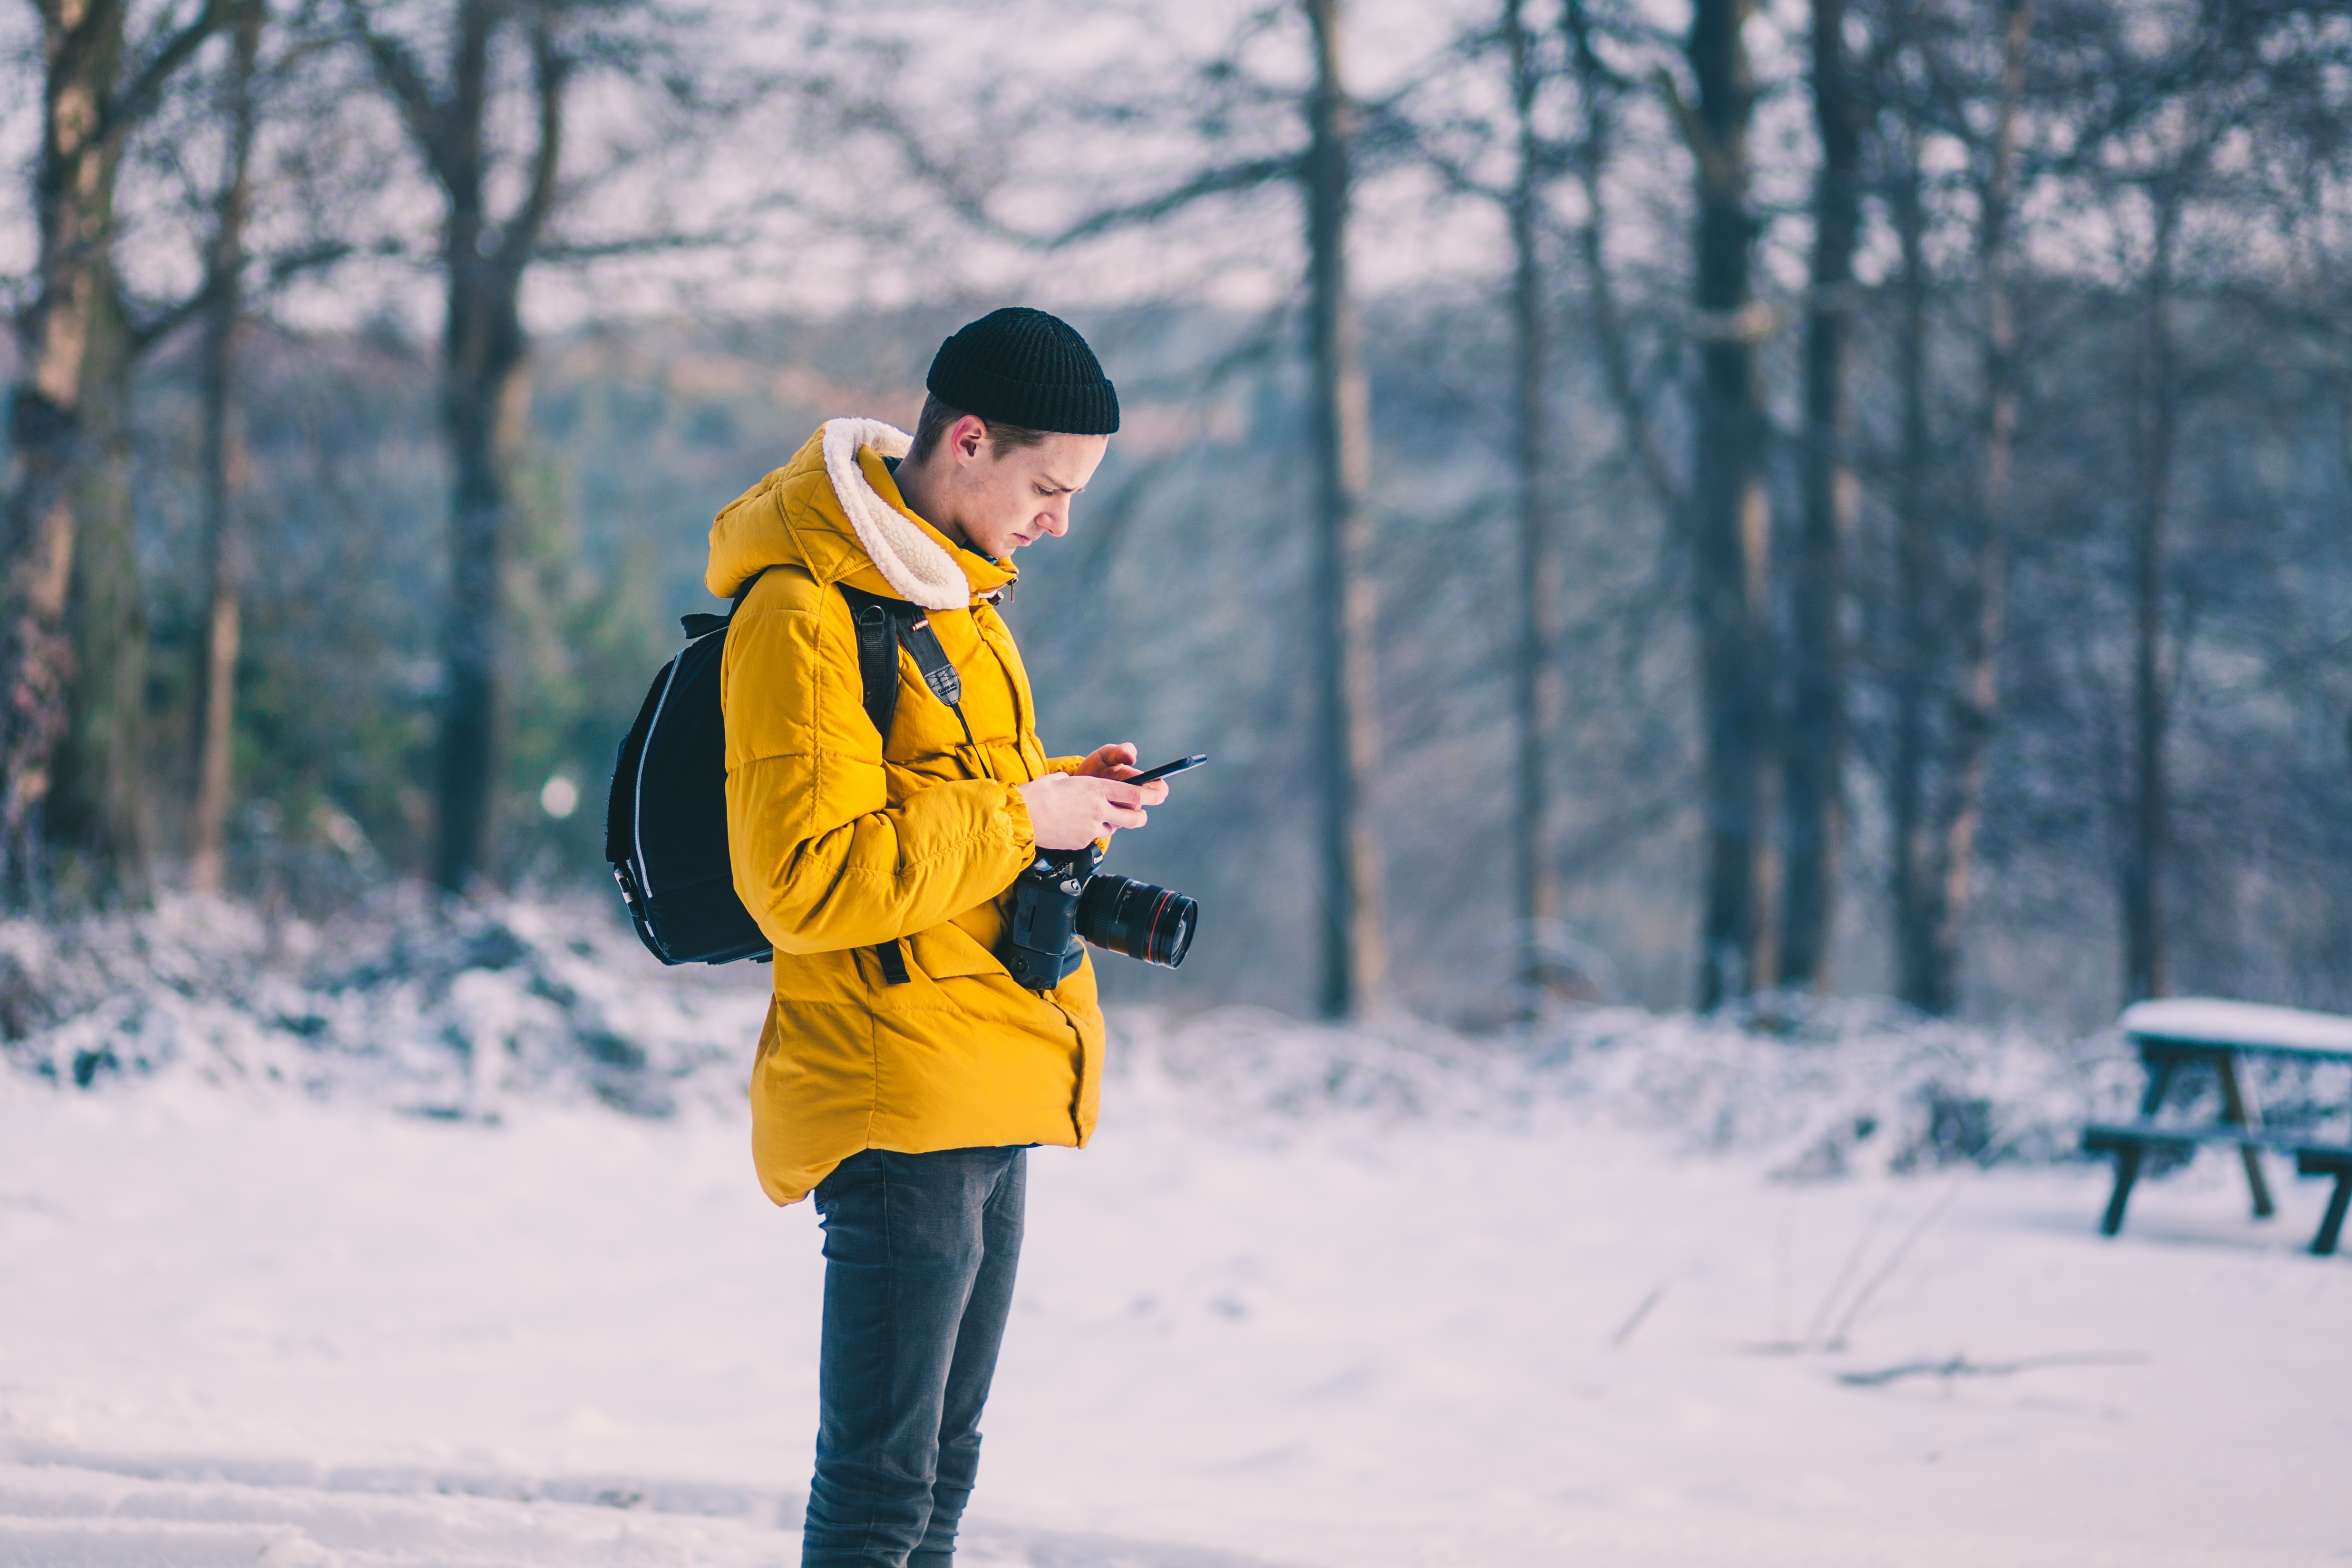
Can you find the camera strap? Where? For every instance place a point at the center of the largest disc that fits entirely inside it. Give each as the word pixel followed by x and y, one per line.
pixel 938 671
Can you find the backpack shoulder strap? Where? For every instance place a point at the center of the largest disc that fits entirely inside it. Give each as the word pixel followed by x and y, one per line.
pixel 744 592
pixel 700 624
pixel 884 626
pixel 881 626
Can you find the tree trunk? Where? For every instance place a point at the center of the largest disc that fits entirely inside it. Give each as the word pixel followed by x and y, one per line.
pixel 484 353
pixel 1976 704
pixel 1531 685
pixel 1813 782
pixel 223 468
pixel 97 820
pixel 480 345
pixel 1918 892
pixel 1731 517
pixel 2145 959
pixel 1355 959
pixel 482 385
pixel 81 48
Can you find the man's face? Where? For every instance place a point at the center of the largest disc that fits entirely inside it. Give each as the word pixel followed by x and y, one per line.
pixel 1004 499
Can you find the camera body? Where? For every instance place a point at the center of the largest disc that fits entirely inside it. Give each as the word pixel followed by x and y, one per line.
pixel 1059 905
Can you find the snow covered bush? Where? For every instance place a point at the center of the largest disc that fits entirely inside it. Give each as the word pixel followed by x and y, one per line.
pixel 453 1008
pixel 437 1006
pixel 1816 1088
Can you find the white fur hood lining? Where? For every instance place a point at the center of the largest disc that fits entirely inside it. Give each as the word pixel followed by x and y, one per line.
pixel 908 559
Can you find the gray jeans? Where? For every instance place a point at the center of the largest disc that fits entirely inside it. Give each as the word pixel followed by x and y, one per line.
pixel 919 1254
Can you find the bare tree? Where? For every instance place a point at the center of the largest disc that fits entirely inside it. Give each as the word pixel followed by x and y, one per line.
pixel 1731 513
pixel 2214 79
pixel 1952 609
pixel 483 256
pixel 97 88
pixel 1978 700
pixel 1918 600
pixel 1813 780
pixel 1533 697
pixel 96 811
pixel 2145 964
pixel 506 73
pixel 1530 656
pixel 223 459
pixel 1355 951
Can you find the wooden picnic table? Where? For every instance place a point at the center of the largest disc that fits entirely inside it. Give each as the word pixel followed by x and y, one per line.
pixel 2193 1033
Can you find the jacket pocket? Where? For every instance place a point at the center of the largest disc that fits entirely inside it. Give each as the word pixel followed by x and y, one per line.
pixel 946 951
pixel 825 978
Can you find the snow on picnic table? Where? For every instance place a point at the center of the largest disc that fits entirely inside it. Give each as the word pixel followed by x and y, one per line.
pixel 244 1328
pixel 2212 1021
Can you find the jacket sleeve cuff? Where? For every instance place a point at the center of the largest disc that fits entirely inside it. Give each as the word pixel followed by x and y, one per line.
pixel 1016 813
pixel 1065 764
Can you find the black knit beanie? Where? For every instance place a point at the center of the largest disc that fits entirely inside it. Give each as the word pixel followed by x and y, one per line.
pixel 1026 368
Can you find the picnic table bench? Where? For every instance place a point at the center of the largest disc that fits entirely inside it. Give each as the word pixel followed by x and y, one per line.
pixel 2195 1032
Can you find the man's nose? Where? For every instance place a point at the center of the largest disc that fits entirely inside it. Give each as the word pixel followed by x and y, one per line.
pixel 1057 521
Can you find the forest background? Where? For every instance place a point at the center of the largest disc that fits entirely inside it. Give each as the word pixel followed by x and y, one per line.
pixel 1677 504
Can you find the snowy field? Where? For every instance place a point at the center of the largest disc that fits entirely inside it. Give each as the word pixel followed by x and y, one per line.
pixel 1651 1295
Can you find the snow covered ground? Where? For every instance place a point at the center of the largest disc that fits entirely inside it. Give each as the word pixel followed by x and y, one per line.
pixel 1312 1299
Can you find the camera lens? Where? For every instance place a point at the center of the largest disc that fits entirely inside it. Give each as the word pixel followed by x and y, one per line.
pixel 1138 920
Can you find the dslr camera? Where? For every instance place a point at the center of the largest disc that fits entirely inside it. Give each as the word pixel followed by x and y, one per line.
pixel 1059 905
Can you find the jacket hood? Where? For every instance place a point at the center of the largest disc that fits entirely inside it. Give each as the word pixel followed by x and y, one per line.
pixel 836 512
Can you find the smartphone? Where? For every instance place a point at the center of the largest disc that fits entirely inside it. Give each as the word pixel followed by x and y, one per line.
pixel 1166 768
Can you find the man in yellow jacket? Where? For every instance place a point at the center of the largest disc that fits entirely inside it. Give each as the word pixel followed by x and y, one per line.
pixel 903 1073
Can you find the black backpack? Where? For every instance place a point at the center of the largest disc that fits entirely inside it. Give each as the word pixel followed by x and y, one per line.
pixel 665 820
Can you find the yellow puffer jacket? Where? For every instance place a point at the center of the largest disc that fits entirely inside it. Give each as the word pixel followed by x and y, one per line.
pixel 840 844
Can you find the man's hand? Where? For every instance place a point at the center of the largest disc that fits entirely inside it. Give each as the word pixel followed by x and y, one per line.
pixel 1070 811
pixel 1117 760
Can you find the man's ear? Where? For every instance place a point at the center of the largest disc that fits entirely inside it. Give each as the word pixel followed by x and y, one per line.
pixel 969 432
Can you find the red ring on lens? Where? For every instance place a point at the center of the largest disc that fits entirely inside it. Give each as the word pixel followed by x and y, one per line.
pixel 1151 927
